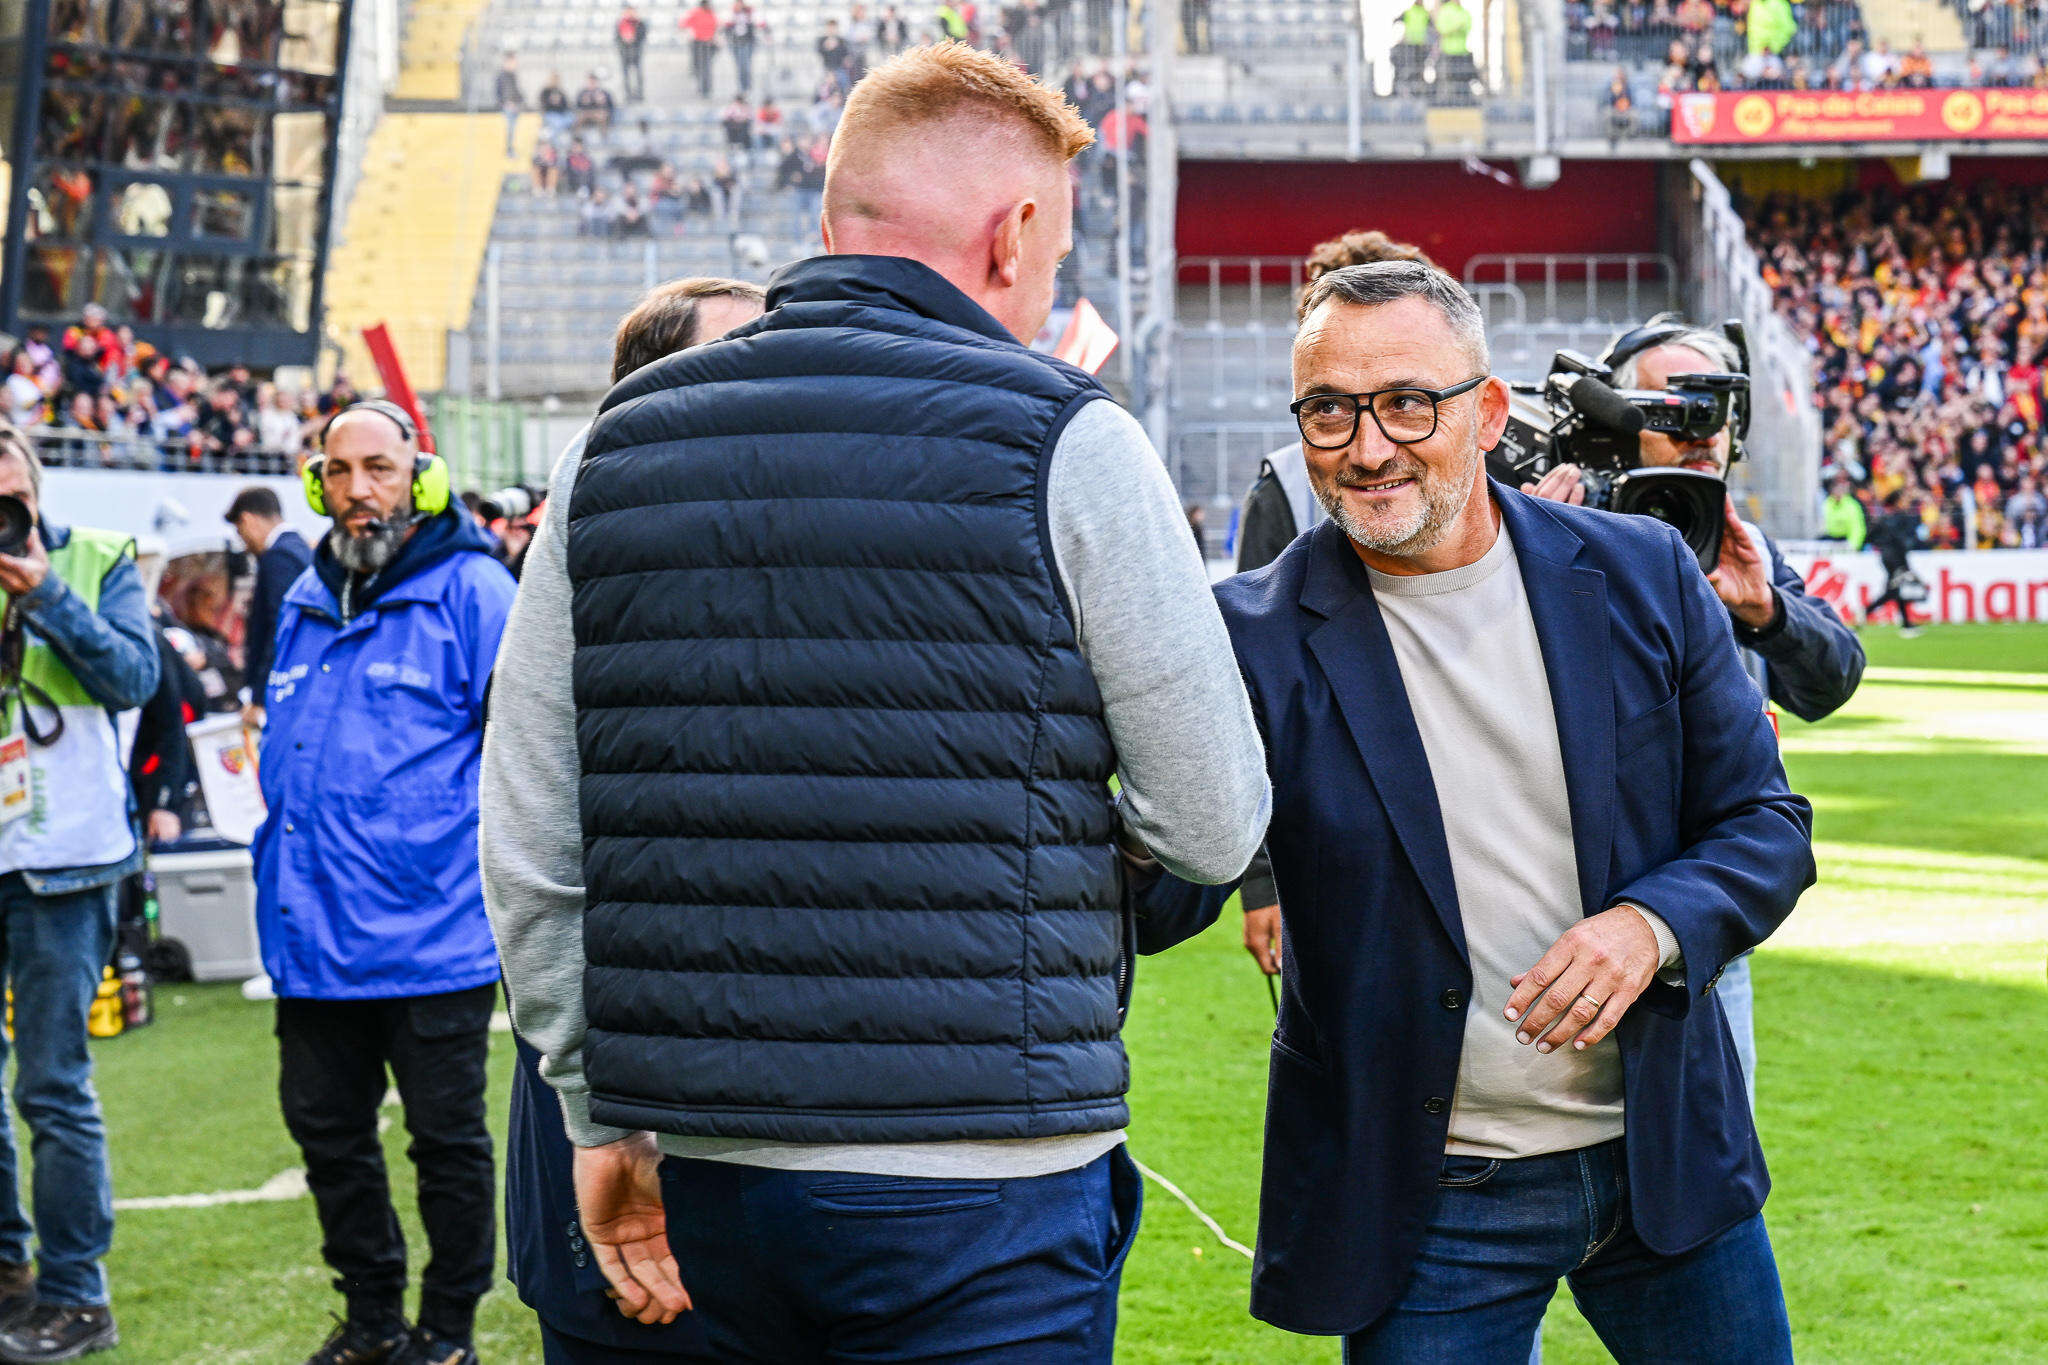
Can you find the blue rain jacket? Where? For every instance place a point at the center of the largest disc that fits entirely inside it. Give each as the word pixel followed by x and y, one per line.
pixel 366 869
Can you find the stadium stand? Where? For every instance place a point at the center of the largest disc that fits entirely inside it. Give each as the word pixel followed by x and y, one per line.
pixel 1272 78
pixel 414 236
pixel 613 198
pixel 1927 312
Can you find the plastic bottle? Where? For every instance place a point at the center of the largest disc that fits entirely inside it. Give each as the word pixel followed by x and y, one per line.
pixel 137 1007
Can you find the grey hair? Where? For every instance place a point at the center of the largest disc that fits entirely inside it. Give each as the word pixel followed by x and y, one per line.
pixel 15 441
pixel 1382 282
pixel 1715 347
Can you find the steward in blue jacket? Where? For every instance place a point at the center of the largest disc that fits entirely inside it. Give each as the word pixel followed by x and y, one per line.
pixel 368 898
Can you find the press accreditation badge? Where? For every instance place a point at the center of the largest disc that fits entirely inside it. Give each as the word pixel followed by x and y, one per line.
pixel 15 797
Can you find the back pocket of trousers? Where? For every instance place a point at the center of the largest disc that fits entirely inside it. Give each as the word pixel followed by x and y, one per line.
pixel 903 1198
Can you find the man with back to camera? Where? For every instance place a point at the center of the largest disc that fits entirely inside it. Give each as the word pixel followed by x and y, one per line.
pixel 546 1254
pixel 281 556
pixel 1797 649
pixel 369 907
pixel 869 602
pixel 76 648
pixel 1279 507
pixel 1529 808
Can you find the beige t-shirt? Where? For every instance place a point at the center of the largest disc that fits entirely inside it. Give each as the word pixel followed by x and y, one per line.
pixel 1476 682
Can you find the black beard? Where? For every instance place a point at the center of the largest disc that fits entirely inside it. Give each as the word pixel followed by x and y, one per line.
pixel 371 551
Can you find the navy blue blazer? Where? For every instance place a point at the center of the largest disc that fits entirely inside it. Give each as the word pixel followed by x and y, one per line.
pixel 546 1255
pixel 1678 803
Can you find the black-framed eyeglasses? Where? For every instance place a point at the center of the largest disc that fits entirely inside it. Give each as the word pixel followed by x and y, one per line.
pixel 1329 421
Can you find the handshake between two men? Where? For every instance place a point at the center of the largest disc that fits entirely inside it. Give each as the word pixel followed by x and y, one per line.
pixel 827 958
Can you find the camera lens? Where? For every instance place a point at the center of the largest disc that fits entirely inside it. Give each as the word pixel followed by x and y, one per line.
pixel 1686 499
pixel 15 525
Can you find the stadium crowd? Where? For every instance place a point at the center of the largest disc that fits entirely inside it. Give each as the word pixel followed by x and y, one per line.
pixel 1927 313
pixel 96 395
pixel 1663 51
pixel 627 181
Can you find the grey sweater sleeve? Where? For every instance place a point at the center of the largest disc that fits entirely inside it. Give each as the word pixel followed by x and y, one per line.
pixel 531 840
pixel 1188 753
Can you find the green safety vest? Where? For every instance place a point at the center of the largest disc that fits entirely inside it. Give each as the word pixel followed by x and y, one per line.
pixel 950 20
pixel 1415 26
pixel 1454 28
pixel 1843 519
pixel 78 787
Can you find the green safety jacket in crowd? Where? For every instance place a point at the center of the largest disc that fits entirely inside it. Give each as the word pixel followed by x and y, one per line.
pixel 1453 29
pixel 78 787
pixel 950 20
pixel 1415 25
pixel 1771 26
pixel 1843 519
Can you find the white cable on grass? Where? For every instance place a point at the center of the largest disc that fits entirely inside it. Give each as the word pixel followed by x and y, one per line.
pixel 284 1186
pixel 1192 1207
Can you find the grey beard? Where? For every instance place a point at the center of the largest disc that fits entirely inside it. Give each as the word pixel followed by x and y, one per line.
pixel 367 554
pixel 1439 512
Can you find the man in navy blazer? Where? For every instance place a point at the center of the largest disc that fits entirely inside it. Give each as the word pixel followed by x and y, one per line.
pixel 1527 805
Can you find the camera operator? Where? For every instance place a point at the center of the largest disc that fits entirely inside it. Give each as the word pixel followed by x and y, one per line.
pixel 1797 650
pixel 77 648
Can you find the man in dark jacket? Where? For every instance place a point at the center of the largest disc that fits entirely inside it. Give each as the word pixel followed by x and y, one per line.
pixel 1796 649
pixel 1894 536
pixel 1534 809
pixel 369 907
pixel 1279 507
pixel 797 825
pixel 281 556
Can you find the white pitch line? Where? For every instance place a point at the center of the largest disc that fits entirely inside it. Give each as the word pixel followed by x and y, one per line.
pixel 285 1185
pixel 1192 1207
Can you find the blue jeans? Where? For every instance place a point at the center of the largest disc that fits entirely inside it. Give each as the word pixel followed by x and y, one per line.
pixel 789 1267
pixel 1505 1232
pixel 52 949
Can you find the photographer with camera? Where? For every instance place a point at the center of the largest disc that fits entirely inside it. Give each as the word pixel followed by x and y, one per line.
pixel 76 649
pixel 1797 649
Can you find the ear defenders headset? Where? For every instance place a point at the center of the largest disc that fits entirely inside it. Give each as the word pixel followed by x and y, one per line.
pixel 431 492
pixel 1668 327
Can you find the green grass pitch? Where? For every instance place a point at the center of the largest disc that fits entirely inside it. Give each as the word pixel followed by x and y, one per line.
pixel 1903 1091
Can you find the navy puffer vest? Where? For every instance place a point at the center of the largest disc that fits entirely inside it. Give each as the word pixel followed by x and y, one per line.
pixel 847 832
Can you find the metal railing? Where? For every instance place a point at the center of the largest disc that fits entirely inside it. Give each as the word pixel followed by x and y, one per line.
pixel 1783 468
pixel 1604 287
pixel 77 448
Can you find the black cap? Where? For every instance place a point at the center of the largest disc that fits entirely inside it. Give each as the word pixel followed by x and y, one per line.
pixel 258 500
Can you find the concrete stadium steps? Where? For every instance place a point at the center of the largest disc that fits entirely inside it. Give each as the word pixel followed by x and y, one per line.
pixel 430 65
pixel 415 235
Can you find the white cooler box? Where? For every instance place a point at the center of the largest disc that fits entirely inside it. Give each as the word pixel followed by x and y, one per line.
pixel 207 901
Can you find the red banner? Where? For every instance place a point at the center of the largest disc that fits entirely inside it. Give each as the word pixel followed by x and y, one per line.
pixel 1761 116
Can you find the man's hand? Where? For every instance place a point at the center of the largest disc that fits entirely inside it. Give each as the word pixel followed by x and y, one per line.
pixel 618 1192
pixel 252 715
pixel 1561 484
pixel 1586 982
pixel 1743 575
pixel 1262 937
pixel 164 827
pixel 22 574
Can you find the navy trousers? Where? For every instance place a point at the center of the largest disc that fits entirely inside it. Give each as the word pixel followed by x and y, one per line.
pixel 794 1267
